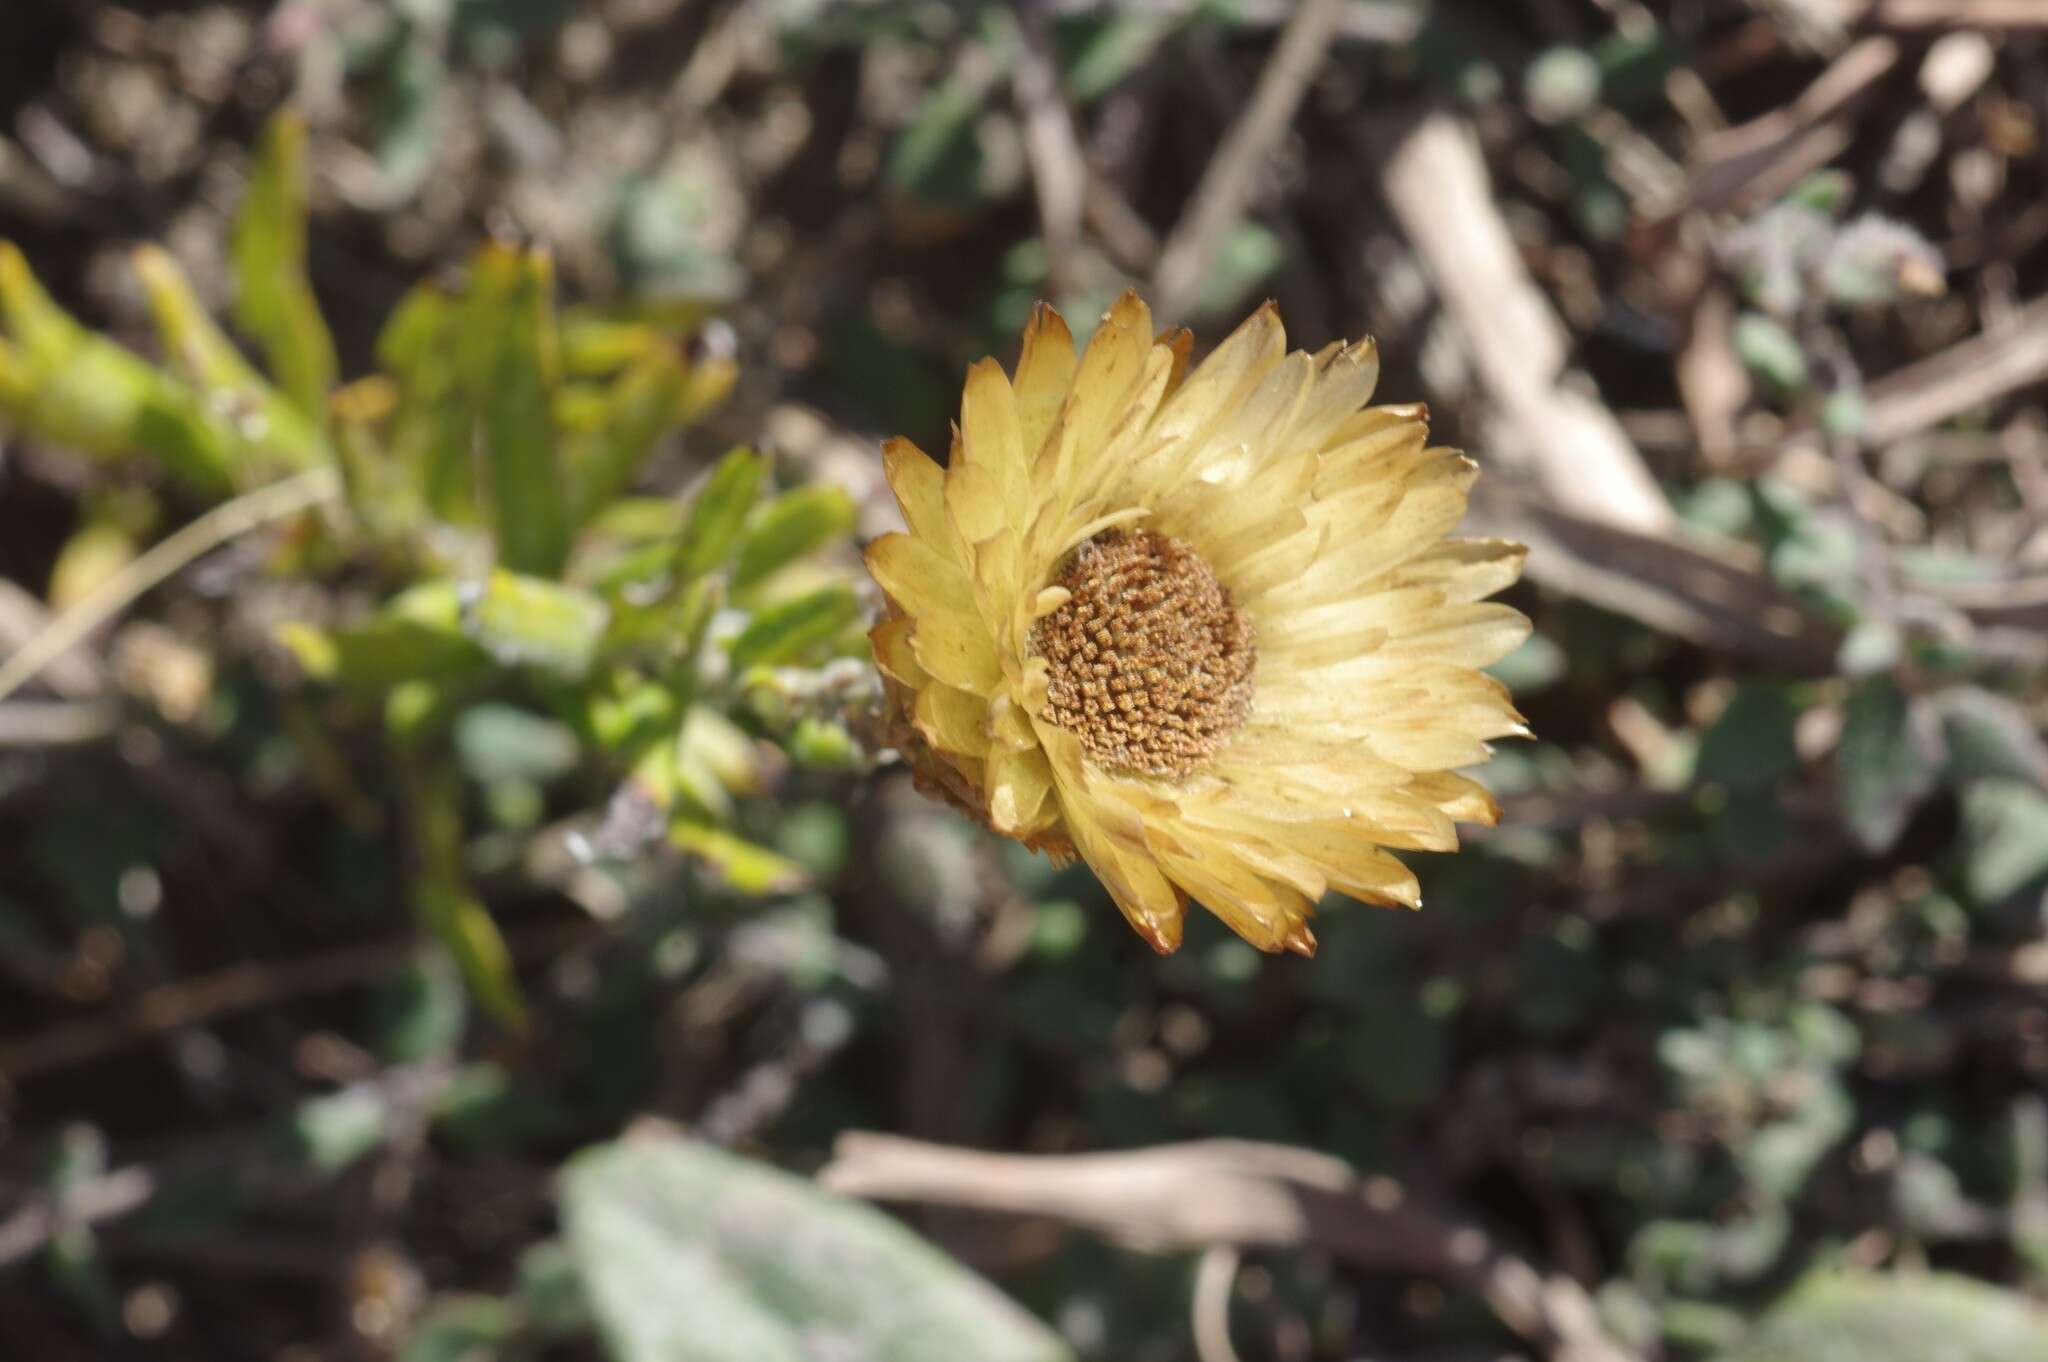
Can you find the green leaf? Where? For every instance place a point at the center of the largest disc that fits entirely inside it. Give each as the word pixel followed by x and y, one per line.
pixel 551 1290
pixel 719 512
pixel 937 158
pixel 336 1130
pixel 1896 1317
pixel 642 405
pixel 462 1328
pixel 1989 735
pixel 502 742
pixel 419 1013
pixel 1750 745
pixel 274 301
pixel 690 1254
pixel 444 900
pixel 510 368
pixel 1244 259
pixel 1562 85
pixel 72 387
pixel 782 632
pixel 739 864
pixel 1770 352
pixel 409 118
pixel 532 622
pixel 418 635
pixel 2005 838
pixel 1888 761
pixel 1098 52
pixel 788 527
pixel 271 431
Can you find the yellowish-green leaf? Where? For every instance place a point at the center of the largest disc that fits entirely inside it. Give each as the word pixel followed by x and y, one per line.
pixel 783 632
pixel 719 513
pixel 442 895
pixel 636 411
pixel 510 364
pixel 417 636
pixel 598 345
pixel 90 557
pixel 274 301
pixel 386 502
pixel 72 387
pixel 432 433
pixel 533 622
pixel 787 527
pixel 743 866
pixel 271 432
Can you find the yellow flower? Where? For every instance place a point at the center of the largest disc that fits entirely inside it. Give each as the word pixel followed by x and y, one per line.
pixel 1201 628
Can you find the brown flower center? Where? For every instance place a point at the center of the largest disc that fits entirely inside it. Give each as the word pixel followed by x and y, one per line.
pixel 1151 665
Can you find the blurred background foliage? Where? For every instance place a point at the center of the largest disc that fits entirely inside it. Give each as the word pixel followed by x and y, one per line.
pixel 450 900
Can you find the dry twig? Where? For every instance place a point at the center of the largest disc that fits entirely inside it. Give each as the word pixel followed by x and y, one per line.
pixel 1763 158
pixel 237 988
pixel 1238 1194
pixel 1051 147
pixel 1438 187
pixel 1226 186
pixel 1716 599
pixel 230 520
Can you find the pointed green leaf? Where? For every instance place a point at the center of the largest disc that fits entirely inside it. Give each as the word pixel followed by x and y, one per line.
pixel 418 635
pixel 509 364
pixel 274 301
pixel 72 387
pixel 786 528
pixel 690 1254
pixel 271 431
pixel 532 622
pixel 719 512
pixel 462 1328
pixel 444 900
pixel 782 632
pixel 1897 1317
pixel 2005 838
pixel 739 864
pixel 1888 761
pixel 432 432
pixel 633 415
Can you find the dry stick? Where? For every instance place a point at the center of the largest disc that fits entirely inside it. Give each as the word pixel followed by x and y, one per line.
pixel 237 988
pixel 1239 1194
pixel 1209 1306
pixel 1715 598
pixel 230 520
pixel 107 1198
pixel 56 723
pixel 1957 13
pixel 1437 184
pixel 76 675
pixel 1050 144
pixel 1763 158
pixel 1984 367
pixel 1372 21
pixel 1225 191
pixel 1215 1278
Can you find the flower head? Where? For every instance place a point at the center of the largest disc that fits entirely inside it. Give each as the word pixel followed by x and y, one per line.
pixel 1202 628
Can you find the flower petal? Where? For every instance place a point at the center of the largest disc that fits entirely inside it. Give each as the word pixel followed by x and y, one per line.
pixel 918 577
pixel 1020 792
pixel 992 448
pixel 956 648
pixel 891 641
pixel 920 487
pixel 953 719
pixel 1045 370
